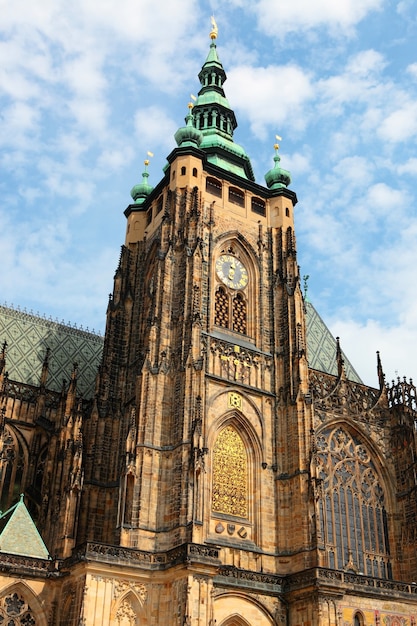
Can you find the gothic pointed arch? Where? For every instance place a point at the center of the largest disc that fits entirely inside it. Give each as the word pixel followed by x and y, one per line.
pixel 233 480
pixel 250 611
pixel 235 281
pixel 20 606
pixel 13 467
pixel 235 620
pixel 128 609
pixel 353 510
pixel 230 493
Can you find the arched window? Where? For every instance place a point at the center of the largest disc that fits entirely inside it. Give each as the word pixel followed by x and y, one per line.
pixel 148 216
pixel 195 171
pixel 358 619
pixel 214 186
pixel 230 474
pixel 183 170
pixel 159 204
pixel 12 465
pixel 258 206
pixel 130 483
pixel 353 518
pixel 15 611
pixel 236 196
pixel 221 308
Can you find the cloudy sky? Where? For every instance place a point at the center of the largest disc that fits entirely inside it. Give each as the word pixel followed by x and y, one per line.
pixel 87 87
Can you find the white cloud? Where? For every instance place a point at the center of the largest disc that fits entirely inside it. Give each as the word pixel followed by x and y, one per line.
pixel 154 127
pixel 289 16
pixel 355 169
pixel 278 95
pixel 361 341
pixel 412 69
pixel 401 124
pixel 409 167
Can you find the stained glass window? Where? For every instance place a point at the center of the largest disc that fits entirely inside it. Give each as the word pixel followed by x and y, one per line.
pixel 14 611
pixel 353 514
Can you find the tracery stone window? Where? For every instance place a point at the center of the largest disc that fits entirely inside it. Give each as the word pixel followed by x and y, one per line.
pixel 12 465
pixel 14 611
pixel 230 474
pixel 353 518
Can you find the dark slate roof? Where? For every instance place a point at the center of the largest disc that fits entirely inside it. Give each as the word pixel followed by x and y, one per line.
pixel 28 336
pixel 19 535
pixel 321 347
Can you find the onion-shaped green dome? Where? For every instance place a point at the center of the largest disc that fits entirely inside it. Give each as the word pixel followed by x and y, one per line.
pixel 142 190
pixel 277 177
pixel 189 135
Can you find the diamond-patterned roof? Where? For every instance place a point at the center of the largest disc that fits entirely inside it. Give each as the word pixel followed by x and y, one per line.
pixel 321 346
pixel 28 336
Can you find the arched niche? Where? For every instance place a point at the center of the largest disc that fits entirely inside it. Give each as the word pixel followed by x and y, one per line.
pixel 128 609
pixel 235 301
pixel 238 610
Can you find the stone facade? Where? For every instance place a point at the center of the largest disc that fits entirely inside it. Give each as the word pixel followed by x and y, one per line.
pixel 214 478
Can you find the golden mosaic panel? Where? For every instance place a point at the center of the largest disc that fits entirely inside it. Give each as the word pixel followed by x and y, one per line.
pixel 230 474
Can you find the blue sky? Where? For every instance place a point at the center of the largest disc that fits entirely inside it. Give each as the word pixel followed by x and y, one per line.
pixel 87 88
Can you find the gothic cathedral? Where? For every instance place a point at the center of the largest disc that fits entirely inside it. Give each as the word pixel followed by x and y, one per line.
pixel 216 477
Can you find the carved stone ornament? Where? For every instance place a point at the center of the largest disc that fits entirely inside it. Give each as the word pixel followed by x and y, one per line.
pixel 125 614
pixel 139 589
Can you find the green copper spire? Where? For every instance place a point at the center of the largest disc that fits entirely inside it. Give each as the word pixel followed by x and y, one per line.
pixel 216 120
pixel 142 190
pixel 277 177
pixel 189 135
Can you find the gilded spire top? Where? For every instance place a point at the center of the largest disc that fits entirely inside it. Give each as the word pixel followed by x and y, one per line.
pixel 214 30
pixel 146 161
pixel 277 177
pixel 276 144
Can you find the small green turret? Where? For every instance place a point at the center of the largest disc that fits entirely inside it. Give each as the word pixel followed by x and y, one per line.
pixel 277 177
pixel 142 190
pixel 189 135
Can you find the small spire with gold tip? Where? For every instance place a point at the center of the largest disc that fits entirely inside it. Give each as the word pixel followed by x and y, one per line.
pixel 277 177
pixel 276 145
pixel 214 30
pixel 146 161
pixel 189 135
pixel 142 190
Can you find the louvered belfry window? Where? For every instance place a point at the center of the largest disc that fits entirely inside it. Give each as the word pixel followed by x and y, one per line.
pixel 239 314
pixel 221 317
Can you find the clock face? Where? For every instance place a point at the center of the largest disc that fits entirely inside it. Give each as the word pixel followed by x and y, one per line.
pixel 231 271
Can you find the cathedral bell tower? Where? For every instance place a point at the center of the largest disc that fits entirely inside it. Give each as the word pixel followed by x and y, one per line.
pixel 200 431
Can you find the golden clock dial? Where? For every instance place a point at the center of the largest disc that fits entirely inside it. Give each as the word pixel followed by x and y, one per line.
pixel 231 271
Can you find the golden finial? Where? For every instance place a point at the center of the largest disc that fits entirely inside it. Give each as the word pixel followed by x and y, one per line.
pixel 146 161
pixel 276 145
pixel 193 99
pixel 214 29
